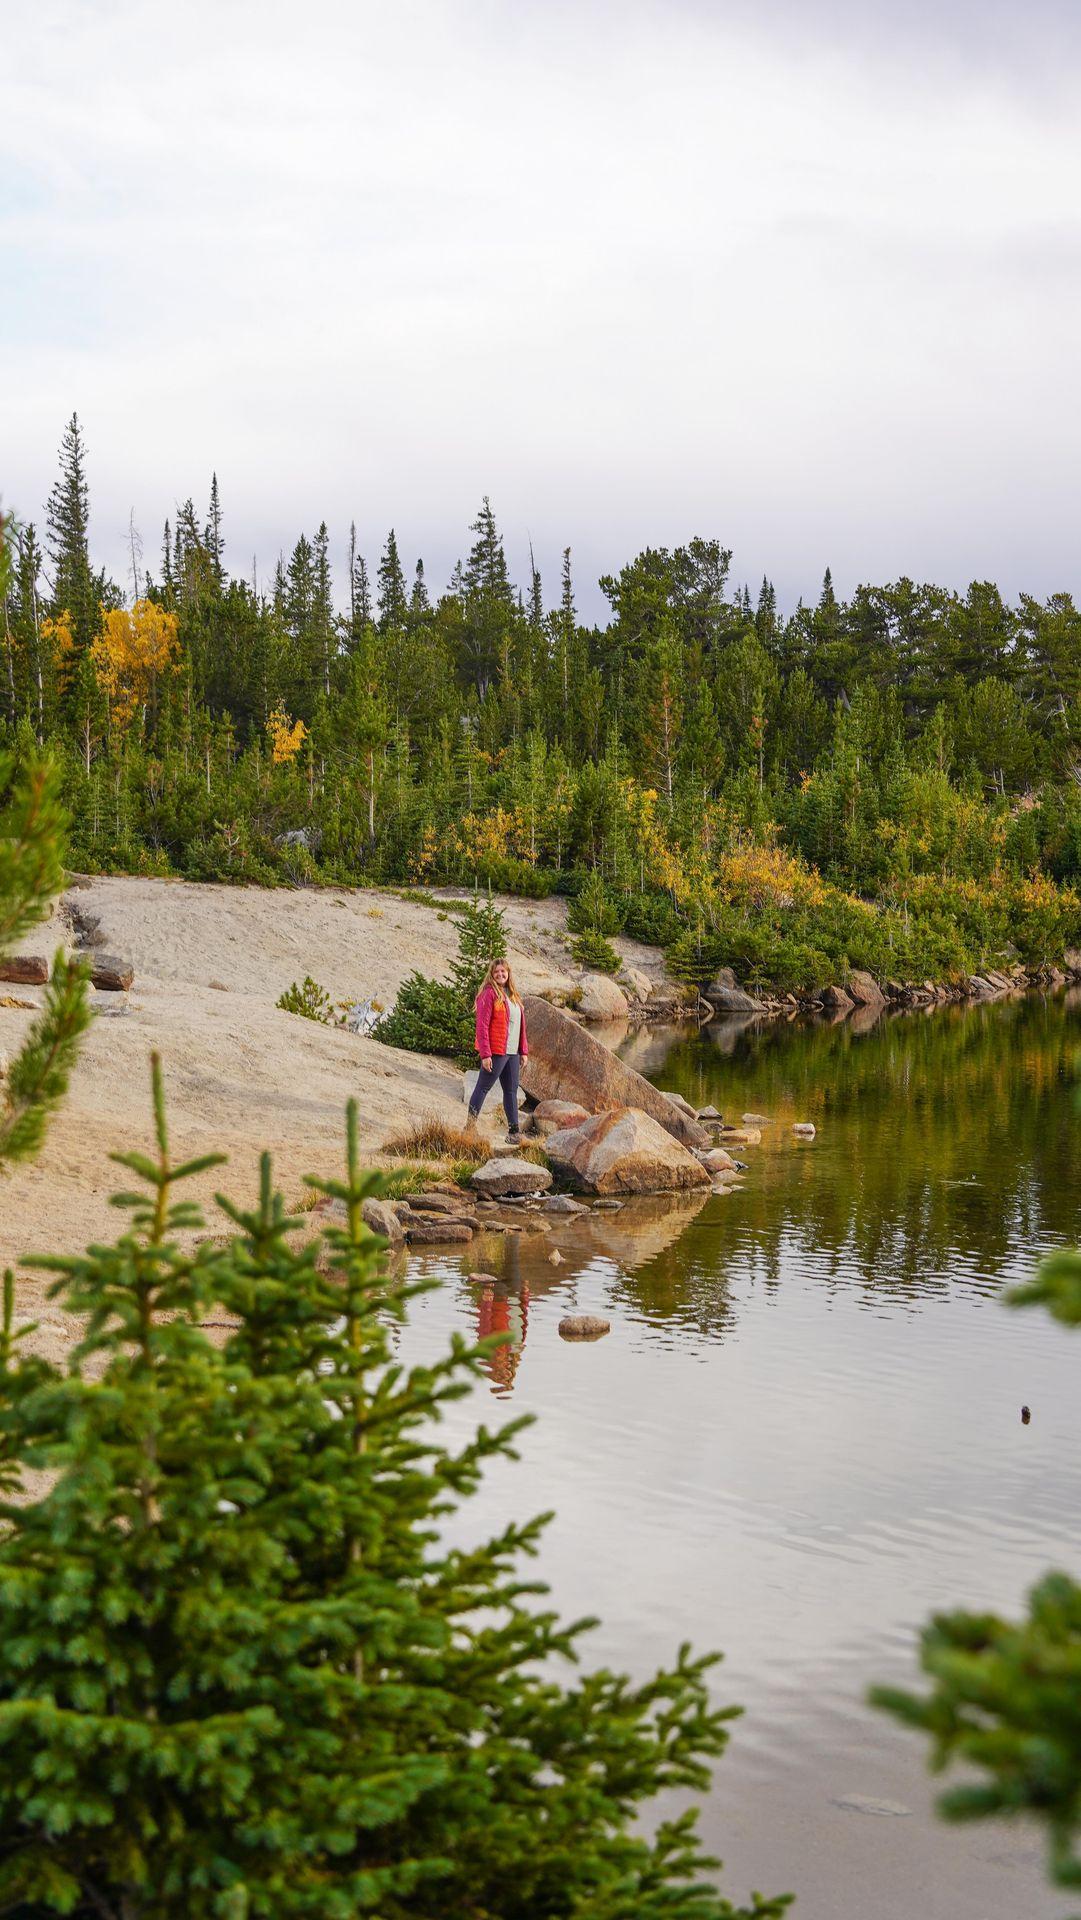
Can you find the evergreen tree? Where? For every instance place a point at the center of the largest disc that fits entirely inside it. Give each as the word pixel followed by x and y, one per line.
pixel 214 540
pixel 486 569
pixel 67 524
pixel 390 587
pixel 360 598
pixel 419 603
pixel 323 631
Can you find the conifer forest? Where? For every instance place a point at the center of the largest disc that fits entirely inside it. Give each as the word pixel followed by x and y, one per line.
pixel 890 781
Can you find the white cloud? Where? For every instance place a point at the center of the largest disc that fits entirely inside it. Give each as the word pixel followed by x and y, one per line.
pixel 637 272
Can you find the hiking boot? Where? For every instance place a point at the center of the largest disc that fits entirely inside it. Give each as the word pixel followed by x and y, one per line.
pixel 514 1136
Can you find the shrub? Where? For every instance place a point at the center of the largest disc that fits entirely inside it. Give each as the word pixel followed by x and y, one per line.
pixel 429 1016
pixel 592 950
pixel 310 1001
pixel 242 1673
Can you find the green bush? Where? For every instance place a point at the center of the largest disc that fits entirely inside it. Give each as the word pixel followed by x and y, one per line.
pixel 310 1001
pixel 429 1017
pixel 592 950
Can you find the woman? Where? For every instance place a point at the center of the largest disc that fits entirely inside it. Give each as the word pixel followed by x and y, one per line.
pixel 501 1043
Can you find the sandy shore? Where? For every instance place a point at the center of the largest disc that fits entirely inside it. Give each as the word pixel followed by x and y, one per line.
pixel 241 1076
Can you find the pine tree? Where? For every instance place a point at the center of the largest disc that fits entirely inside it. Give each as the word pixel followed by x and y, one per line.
pixel 419 602
pixel 214 539
pixel 482 938
pixel 241 1674
pixel 67 524
pixel 360 598
pixel 486 569
pixel 390 588
pixel 324 643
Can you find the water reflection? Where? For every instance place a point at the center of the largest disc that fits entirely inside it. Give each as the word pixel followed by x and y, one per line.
pixel 803 1434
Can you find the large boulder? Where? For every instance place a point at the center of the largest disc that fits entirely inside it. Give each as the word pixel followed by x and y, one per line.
pixel 725 996
pixel 601 999
pixel 499 1177
pixel 566 1063
pixel 864 989
pixel 624 1151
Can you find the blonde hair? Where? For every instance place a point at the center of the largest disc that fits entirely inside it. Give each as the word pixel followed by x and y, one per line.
pixel 510 990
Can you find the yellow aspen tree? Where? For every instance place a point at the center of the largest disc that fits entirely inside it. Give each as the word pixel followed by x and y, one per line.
pixel 130 655
pixel 286 737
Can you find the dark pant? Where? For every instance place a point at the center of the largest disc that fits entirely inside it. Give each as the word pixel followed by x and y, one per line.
pixel 505 1070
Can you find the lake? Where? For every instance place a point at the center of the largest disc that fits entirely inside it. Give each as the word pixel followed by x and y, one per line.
pixel 803 1432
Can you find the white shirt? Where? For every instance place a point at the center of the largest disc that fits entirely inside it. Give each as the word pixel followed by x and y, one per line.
pixel 514 1026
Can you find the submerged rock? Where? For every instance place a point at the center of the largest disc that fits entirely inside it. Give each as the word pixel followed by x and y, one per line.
pixel 583 1326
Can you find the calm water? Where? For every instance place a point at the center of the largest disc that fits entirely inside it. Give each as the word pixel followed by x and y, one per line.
pixel 803 1432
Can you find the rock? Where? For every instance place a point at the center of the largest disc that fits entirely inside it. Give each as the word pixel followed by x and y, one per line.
pixel 836 1000
pixel 724 996
pixel 567 1063
pixel 624 1151
pixel 435 1232
pixel 710 1113
pixel 754 1120
pixel 742 1136
pixel 601 999
pixel 716 1160
pixel 111 974
pixel 498 1177
pixel 380 1217
pixel 555 1258
pixel 483 1279
pixel 550 1115
pixel 25 969
pixel 805 1129
pixel 864 989
pixel 562 1203
pixel 583 1326
pixel 683 1105
pixel 637 984
pixel 868 1803
pixel 607 1206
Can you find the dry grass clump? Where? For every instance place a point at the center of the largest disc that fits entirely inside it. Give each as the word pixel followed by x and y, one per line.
pixel 432 1138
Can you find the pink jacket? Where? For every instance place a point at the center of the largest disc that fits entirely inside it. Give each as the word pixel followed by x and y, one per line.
pixel 485 1006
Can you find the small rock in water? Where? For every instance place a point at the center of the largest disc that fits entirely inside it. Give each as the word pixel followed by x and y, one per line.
pixel 607 1206
pixel 1026 1415
pixel 583 1326
pixel 562 1203
pixel 805 1129
pixel 867 1803
pixel 483 1279
pixel 555 1258
pixel 708 1113
pixel 755 1120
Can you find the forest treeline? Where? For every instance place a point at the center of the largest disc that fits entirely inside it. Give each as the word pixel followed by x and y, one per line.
pixel 889 781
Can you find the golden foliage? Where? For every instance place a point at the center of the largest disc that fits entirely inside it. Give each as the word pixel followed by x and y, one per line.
pixel 130 654
pixel 286 737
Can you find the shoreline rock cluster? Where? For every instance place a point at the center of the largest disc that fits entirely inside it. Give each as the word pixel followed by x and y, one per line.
pixel 862 993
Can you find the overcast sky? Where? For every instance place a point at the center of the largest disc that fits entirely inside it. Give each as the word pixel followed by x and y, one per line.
pixel 803 277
